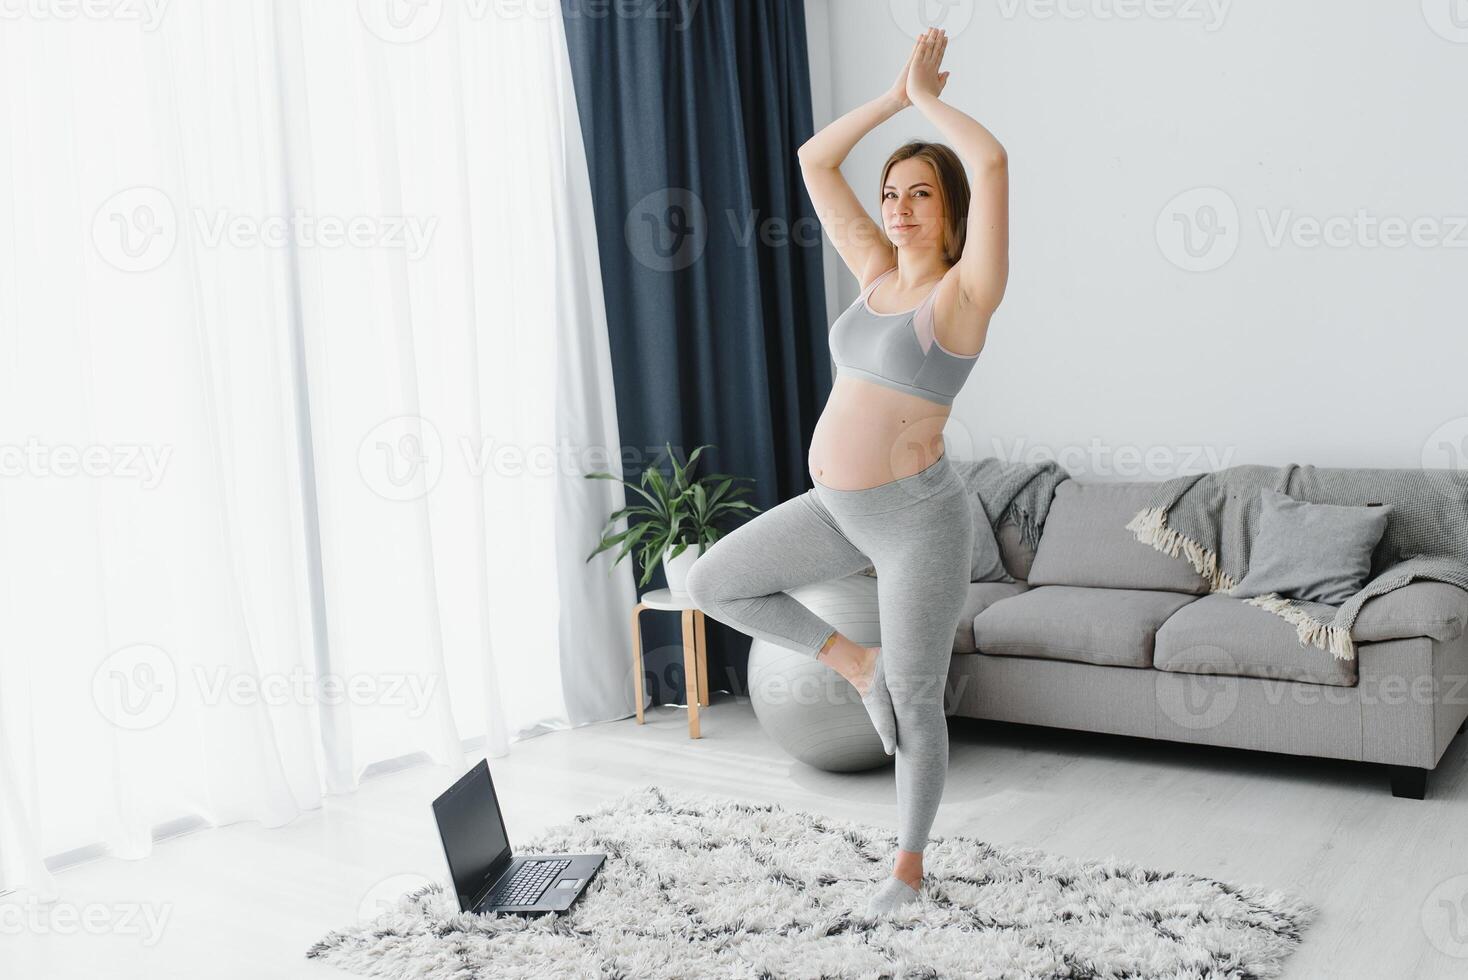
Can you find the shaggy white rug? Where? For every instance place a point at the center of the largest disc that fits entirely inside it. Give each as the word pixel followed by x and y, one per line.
pixel 697 886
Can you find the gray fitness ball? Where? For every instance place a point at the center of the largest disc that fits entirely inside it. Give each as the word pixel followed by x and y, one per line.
pixel 811 711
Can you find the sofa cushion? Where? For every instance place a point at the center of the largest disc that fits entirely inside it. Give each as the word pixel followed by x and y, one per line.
pixel 981 595
pixel 1110 627
pixel 1085 542
pixel 1422 608
pixel 1219 634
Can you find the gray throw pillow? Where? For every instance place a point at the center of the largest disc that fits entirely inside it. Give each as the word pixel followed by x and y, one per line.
pixel 1316 552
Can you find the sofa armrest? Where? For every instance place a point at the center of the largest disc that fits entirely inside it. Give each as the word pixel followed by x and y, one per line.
pixel 1421 608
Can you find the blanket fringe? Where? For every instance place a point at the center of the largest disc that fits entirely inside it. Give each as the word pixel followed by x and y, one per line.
pixel 1310 630
pixel 1150 527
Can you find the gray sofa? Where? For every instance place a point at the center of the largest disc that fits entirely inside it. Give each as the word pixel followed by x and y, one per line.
pixel 1102 633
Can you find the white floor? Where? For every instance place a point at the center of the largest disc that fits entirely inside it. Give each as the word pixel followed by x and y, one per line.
pixel 244 901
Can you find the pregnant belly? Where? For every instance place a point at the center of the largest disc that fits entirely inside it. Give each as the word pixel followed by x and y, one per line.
pixel 869 434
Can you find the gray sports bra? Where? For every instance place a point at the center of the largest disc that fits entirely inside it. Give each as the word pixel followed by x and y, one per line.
pixel 898 349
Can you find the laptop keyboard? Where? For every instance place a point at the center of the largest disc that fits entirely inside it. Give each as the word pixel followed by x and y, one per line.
pixel 529 883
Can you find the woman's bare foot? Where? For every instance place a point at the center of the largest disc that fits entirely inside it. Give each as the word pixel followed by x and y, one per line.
pixel 858 664
pixel 909 867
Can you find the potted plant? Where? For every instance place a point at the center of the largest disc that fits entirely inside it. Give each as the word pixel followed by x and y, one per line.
pixel 678 521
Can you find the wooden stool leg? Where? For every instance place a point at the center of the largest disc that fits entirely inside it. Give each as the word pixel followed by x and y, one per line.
pixel 703 659
pixel 690 672
pixel 637 659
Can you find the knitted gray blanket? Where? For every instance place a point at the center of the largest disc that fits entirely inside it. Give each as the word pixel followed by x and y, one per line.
pixel 1018 493
pixel 1211 519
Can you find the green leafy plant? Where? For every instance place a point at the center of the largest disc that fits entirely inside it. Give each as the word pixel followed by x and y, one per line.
pixel 679 512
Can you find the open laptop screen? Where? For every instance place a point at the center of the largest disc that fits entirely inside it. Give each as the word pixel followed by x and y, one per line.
pixel 473 834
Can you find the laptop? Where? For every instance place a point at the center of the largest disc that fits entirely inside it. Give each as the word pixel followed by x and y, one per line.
pixel 488 877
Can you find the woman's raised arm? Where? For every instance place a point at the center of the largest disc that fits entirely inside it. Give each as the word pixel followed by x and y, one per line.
pixel 858 240
pixel 983 269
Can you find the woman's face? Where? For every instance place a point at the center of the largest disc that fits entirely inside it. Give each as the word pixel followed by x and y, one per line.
pixel 911 209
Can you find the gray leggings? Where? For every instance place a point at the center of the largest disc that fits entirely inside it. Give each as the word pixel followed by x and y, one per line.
pixel 918 533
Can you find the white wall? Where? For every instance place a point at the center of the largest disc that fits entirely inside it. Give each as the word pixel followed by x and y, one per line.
pixel 1286 352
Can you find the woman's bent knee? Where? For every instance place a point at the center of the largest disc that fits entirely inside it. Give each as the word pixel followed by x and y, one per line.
pixel 701 583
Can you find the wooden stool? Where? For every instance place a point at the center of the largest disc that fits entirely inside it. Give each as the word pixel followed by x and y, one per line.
pixel 695 659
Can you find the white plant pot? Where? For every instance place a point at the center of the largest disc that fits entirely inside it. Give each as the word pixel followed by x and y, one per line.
pixel 676 569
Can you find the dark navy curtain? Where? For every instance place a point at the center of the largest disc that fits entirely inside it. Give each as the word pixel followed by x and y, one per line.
pixel 710 254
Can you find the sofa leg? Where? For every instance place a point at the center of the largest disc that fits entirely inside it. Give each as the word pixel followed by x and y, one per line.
pixel 1408 782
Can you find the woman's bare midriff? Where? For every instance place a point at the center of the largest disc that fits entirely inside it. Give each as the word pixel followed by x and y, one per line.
pixel 869 434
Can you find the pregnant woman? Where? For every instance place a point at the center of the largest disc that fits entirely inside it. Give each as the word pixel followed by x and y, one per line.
pixel 884 493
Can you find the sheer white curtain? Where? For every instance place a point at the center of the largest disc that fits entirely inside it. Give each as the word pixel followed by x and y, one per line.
pixel 295 307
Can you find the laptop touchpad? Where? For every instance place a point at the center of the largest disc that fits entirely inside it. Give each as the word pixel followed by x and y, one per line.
pixel 569 883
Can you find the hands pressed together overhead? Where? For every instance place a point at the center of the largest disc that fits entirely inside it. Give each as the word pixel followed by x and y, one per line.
pixel 920 76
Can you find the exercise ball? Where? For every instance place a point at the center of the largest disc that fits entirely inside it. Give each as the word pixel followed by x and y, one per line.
pixel 810 710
